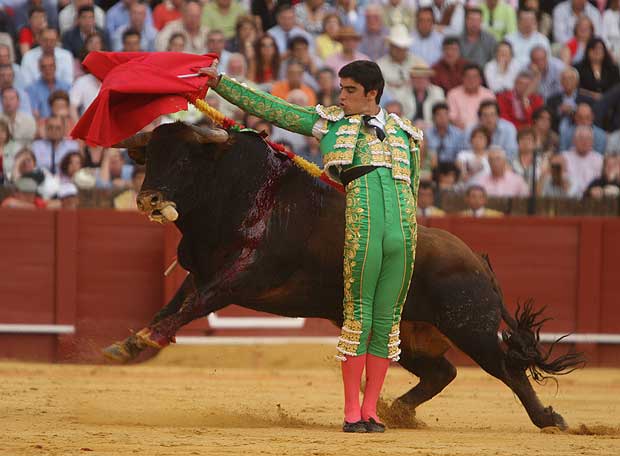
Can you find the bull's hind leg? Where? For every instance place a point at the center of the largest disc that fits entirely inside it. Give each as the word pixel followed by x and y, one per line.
pixel 132 346
pixel 487 352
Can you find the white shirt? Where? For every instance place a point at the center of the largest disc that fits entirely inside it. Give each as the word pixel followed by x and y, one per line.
pixel 582 170
pixel 84 92
pixel 64 65
pixel 68 16
pixel 320 127
pixel 564 20
pixel 522 45
pixel 497 81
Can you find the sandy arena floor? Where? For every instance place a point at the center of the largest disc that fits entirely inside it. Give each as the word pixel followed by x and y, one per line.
pixel 261 401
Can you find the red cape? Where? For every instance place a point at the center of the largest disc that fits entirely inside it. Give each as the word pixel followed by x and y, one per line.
pixel 137 88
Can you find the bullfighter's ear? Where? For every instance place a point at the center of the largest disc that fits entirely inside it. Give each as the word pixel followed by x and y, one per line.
pixel 137 154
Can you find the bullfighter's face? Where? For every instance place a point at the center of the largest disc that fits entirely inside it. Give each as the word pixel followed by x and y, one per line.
pixel 354 100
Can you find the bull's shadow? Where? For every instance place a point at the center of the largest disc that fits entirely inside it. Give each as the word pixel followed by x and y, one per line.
pixel 259 232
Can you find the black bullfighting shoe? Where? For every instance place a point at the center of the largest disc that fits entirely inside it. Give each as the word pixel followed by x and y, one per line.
pixel 358 426
pixel 374 426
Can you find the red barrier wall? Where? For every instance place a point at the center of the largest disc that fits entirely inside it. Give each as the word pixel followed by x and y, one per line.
pixel 101 271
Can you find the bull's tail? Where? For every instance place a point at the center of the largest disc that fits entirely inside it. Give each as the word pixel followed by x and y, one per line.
pixel 522 339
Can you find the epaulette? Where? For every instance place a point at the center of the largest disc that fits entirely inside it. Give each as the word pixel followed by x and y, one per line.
pixel 408 127
pixel 333 113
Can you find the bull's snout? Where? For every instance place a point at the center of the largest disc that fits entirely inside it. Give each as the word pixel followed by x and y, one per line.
pixel 149 200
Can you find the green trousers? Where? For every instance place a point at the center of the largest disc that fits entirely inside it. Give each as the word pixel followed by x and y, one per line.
pixel 379 252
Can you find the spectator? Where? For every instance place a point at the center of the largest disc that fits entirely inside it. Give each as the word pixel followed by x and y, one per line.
pixel 118 16
pixel 394 107
pixel 501 72
pixel 583 117
pixel 523 165
pixel 477 45
pixel 131 40
pixel 60 106
pixel 222 15
pixel 608 185
pixel 447 177
pixel 26 165
pixel 70 164
pixel 547 140
pixel 396 12
pixel 40 90
pixel 395 65
pixel 527 37
pixel 293 81
pixel 286 28
pixel 68 196
pixel 126 201
pixel 93 43
pixel 583 164
pixel 545 23
pixel 502 132
pixel 499 18
pixel 555 183
pixel 474 163
pixel 426 201
pixel 137 21
pixel 327 95
pixel 428 162
pixel 299 51
pixel 350 40
pixel 189 26
pixel 68 15
pixel 443 138
pixel 246 33
pixel 82 93
pixel 597 71
pixel 427 42
pixel 22 126
pixel 565 16
pixel 63 58
pixel 8 151
pixel 611 27
pixel 167 11
pixel 547 70
pixel 216 43
pixel 563 104
pixel 449 69
pixel 7 58
pixel 114 172
pixel 448 16
pixel 309 15
pixel 419 100
pixel 327 43
pixel 265 66
pixel 476 200
pixel 502 181
pixel 374 35
pixel 264 12
pixel 573 50
pixel 73 39
pixel 176 43
pixel 348 12
pixel 464 99
pixel 29 35
pixel 51 150
pixel 24 196
pixel 7 79
pixel 518 105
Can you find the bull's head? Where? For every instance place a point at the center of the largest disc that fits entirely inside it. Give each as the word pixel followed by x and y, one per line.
pixel 176 157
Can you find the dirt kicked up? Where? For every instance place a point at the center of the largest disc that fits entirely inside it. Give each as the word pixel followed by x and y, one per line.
pixel 282 401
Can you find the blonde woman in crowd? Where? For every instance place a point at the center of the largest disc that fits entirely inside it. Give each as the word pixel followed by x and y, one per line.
pixel 327 43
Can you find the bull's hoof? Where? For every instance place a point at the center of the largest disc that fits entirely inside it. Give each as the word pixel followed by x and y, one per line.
pixel 399 415
pixel 153 339
pixel 117 352
pixel 556 419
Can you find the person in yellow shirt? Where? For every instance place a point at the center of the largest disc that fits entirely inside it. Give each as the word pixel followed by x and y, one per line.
pixel 476 199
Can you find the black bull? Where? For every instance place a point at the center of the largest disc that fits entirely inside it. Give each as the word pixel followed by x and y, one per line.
pixel 259 232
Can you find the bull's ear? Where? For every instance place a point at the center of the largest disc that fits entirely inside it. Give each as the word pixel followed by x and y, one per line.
pixel 138 154
pixel 135 141
pixel 207 134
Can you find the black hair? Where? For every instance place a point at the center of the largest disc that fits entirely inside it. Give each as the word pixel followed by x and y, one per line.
pixel 131 32
pixel 449 40
pixel 473 187
pixel 367 74
pixel 296 40
pixel 608 62
pixel 66 161
pixel 85 9
pixel 473 66
pixel 36 9
pixel 539 112
pixel 438 106
pixel 486 104
pixel 426 185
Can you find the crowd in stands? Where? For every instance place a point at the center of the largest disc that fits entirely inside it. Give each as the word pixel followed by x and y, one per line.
pixel 515 97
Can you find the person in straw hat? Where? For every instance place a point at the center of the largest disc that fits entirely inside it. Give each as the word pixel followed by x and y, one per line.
pixel 395 65
pixel 419 101
pixel 350 40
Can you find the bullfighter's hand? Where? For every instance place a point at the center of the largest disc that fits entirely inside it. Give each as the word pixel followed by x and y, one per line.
pixel 212 73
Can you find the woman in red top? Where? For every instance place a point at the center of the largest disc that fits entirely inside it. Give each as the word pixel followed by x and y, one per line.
pixel 264 65
pixel 29 34
pixel 518 105
pixel 574 48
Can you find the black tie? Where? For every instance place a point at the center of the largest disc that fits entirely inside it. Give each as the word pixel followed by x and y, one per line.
pixel 378 131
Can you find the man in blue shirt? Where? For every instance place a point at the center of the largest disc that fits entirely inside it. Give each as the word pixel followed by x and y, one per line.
pixel 40 90
pixel 502 132
pixel 443 137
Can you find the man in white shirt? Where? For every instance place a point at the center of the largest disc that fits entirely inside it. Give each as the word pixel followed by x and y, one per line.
pixel 22 126
pixel 51 150
pixel 527 37
pixel 583 164
pixel 63 58
pixel 286 29
pixel 565 15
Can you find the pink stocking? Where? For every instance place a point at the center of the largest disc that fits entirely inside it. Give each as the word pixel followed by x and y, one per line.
pixel 376 369
pixel 352 370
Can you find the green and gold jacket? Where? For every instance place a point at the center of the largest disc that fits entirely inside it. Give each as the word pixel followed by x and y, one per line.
pixel 345 142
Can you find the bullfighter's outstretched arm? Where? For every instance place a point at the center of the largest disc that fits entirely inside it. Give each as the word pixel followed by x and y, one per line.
pixel 285 115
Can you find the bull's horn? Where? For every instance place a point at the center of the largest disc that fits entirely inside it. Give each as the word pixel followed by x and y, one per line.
pixel 170 213
pixel 209 134
pixel 135 141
